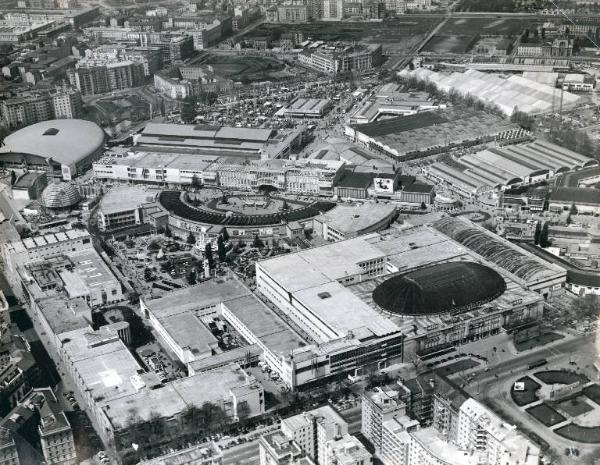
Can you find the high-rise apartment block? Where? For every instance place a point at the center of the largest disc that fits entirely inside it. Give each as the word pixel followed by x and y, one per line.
pixel 33 107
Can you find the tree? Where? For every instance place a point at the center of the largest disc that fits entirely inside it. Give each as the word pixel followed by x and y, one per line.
pixel 191 239
pixel 544 242
pixel 191 277
pixel 586 306
pixel 13 177
pixel 225 234
pixel 573 210
pixel 196 184
pixel 537 233
pixel 208 255
pixel 423 206
pixel 221 249
pixel 188 109
pixel 168 232
pixel 285 205
pixel 258 243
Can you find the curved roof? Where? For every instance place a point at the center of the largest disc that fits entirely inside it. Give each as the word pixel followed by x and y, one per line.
pixel 66 141
pixel 453 286
pixel 492 248
pixel 60 195
pixel 171 201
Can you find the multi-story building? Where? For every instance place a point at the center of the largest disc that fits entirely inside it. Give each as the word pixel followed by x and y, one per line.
pixel 38 248
pixel 341 58
pixel 463 431
pixel 122 207
pixel 33 107
pixel 92 78
pixel 56 435
pixel 277 449
pixel 173 87
pixel 313 430
pixel 333 10
pixel 378 406
pixel 557 47
pixel 346 450
pixel 292 13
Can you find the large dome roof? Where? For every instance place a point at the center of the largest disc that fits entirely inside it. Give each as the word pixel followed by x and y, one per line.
pixel 66 141
pixel 453 286
pixel 60 195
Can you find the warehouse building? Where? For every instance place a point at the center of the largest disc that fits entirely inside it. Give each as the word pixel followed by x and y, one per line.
pixel 219 140
pixel 390 100
pixel 429 133
pixel 306 108
pixel 498 168
pixel 508 94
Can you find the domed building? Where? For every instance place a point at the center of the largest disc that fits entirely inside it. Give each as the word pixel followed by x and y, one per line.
pixel 63 148
pixel 60 196
pixel 447 287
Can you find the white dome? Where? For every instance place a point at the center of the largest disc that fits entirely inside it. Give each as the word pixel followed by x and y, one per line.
pixel 60 195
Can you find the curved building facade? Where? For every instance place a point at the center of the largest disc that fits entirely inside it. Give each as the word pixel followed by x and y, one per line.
pixel 62 148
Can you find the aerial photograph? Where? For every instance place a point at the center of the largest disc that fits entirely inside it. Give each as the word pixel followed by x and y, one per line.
pixel 300 232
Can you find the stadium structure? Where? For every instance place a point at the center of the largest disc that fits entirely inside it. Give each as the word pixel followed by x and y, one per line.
pixel 497 168
pixel 62 148
pixel 184 217
pixel 384 298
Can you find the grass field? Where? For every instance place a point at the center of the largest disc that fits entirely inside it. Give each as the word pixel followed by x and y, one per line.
pixel 593 392
pixel 397 36
pixel 527 396
pixel 537 341
pixel 457 367
pixel 560 377
pixel 590 435
pixel 575 407
pixel 449 44
pixel 545 414
pixel 250 68
pixel 486 26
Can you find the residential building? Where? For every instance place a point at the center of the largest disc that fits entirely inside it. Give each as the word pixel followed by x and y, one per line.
pixel 332 10
pixel 378 406
pixel 56 435
pixel 313 430
pixel 34 106
pixel 277 449
pixel 346 450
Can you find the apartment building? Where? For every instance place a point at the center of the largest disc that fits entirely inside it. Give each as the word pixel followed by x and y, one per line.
pixel 312 431
pixel 33 107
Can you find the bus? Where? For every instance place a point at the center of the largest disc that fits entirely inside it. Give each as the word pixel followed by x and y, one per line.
pixel 537 363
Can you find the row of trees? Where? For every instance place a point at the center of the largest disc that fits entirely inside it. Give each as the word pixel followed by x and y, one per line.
pixel 189 104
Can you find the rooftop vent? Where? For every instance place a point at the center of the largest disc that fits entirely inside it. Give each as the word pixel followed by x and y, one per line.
pixel 324 295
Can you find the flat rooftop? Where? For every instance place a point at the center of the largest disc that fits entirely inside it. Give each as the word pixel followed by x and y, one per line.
pixel 189 333
pixel 89 266
pixel 124 198
pixel 193 298
pixel 353 219
pixel 267 326
pixel 105 369
pixel 172 398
